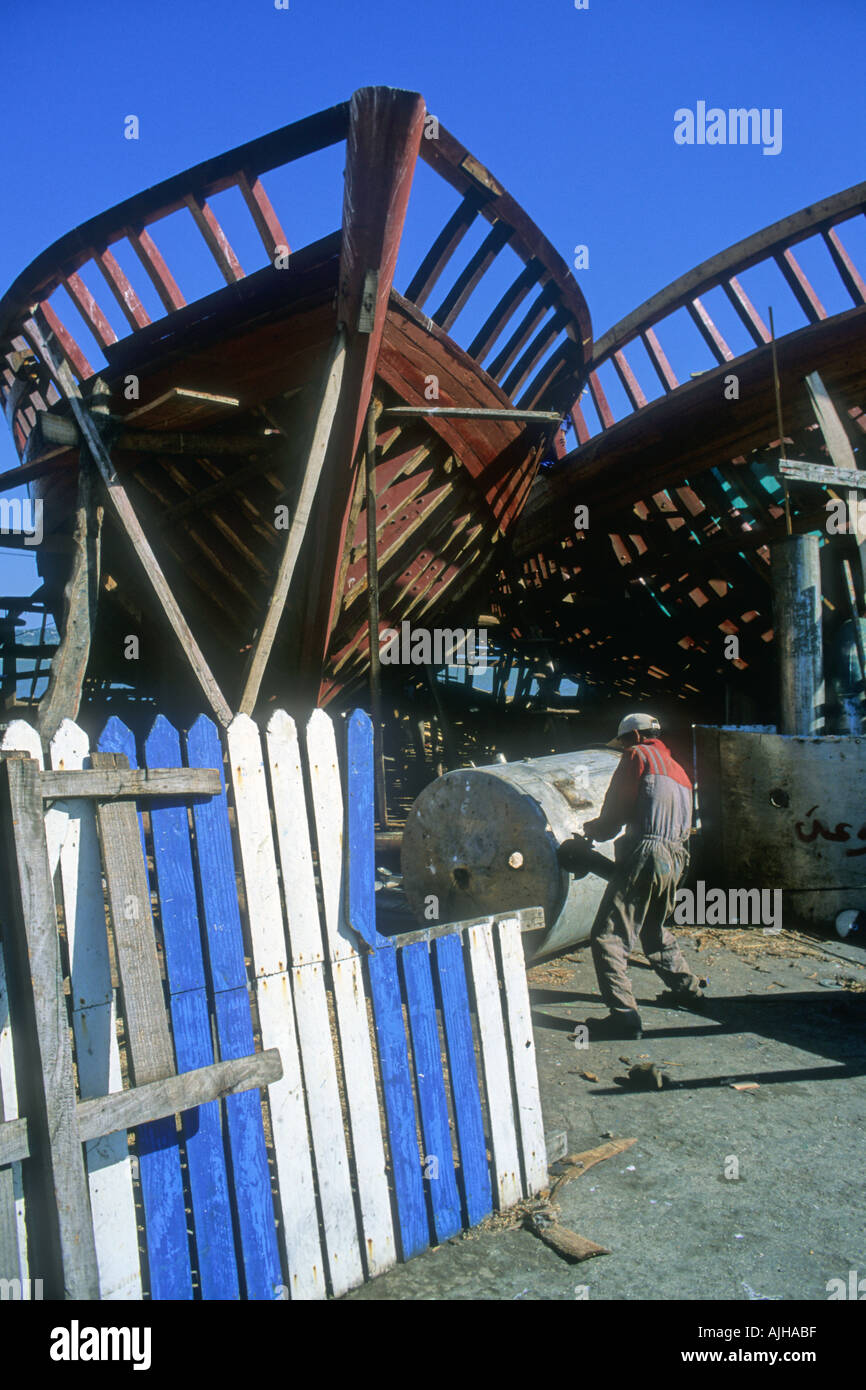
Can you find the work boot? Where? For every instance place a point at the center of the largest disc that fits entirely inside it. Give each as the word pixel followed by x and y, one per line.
pixel 626 1024
pixel 688 996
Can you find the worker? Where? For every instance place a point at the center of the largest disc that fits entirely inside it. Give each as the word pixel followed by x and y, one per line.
pixel 651 795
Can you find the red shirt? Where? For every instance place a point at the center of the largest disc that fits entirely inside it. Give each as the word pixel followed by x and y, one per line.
pixel 650 793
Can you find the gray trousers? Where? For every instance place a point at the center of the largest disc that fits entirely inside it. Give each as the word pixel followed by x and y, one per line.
pixel 639 899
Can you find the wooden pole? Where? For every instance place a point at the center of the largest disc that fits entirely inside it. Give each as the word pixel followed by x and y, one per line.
pixel 125 513
pixel 796 573
pixel 373 620
pixel 327 414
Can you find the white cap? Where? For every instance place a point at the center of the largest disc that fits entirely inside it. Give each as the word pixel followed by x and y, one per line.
pixel 633 723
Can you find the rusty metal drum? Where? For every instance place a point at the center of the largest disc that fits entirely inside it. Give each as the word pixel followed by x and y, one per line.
pixel 483 840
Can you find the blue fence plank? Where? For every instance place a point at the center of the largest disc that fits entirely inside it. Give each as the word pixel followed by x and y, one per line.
pixel 463 1067
pixel 172 853
pixel 426 1049
pixel 385 990
pixel 157 1143
pixel 224 939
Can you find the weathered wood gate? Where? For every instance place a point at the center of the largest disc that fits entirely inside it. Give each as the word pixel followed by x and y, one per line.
pixel 316 1101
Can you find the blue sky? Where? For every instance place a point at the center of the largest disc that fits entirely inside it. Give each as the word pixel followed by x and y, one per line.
pixel 572 110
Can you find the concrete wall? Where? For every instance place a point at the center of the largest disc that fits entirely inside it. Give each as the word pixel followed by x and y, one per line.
pixel 784 812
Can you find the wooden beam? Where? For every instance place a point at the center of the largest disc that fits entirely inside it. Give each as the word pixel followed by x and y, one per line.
pixel 471 412
pixel 56 430
pixel 134 782
pixel 322 432
pixel 129 521
pixel 840 451
pixel 154 1101
pixel 385 129
pixel 58 1205
pixel 174 1094
pixel 62 697
pixel 151 1054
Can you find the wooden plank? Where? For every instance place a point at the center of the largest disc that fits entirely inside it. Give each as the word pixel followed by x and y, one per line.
pixel 215 238
pixel 709 332
pixel 131 525
pixel 663 368
pixel 187 1093
pixel 798 282
pixel 438 1157
pixel 262 212
pixel 475 412
pixel 184 963
pixel 468 280
pixel 311 1005
pixel 150 1048
pixel 443 248
pixel 746 310
pixel 322 434
pixel 90 310
pixel 94 1024
pixel 529 1116
pixel 300 1222
pixel 851 277
pixel 130 305
pixel 253 1201
pixel 494 1053
pixel 157 1143
pixel 349 998
pixel 382 965
pixel 14 1147
pixel 116 783
pixel 71 351
pixel 494 325
pixel 55 1181
pixel 465 1095
pixel 158 272
pixel 181 406
pixel 821 473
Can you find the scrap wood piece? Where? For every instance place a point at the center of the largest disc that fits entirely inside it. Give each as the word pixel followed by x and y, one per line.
pixel 565 1242
pixel 578 1164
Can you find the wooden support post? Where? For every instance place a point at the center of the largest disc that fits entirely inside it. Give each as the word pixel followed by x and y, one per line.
pixel 41 333
pixel 300 521
pixel 62 697
pixel 842 456
pixel 373 620
pixel 796 573
pixel 58 1205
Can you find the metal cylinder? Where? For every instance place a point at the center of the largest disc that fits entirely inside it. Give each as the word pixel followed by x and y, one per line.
pixel 796 574
pixel 484 840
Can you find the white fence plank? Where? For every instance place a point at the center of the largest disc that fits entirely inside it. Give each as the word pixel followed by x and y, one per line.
pixel 311 1005
pixel 276 1010
pixel 523 1057
pixel 94 1022
pixel 506 1162
pixel 350 999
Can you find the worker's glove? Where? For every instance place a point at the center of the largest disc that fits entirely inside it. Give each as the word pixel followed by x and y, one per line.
pixel 590 830
pixel 573 855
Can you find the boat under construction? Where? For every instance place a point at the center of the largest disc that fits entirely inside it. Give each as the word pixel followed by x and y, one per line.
pixel 408 422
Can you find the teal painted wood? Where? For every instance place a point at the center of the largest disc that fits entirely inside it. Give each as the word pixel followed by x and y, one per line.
pixel 438 1170
pixel 463 1068
pixel 248 1159
pixel 208 1180
pixel 157 1144
pixel 385 990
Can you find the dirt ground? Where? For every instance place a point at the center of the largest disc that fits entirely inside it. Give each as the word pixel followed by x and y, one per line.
pixel 727 1194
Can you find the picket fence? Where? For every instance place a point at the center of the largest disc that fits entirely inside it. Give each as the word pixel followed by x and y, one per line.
pixel 408 1105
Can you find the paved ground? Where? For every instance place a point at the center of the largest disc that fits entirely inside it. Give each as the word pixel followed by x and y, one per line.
pixel 790 1015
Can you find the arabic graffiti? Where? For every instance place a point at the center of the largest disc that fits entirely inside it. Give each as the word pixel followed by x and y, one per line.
pixel 840 834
